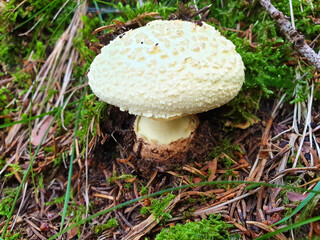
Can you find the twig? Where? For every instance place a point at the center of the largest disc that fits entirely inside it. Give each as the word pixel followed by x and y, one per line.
pixel 292 34
pixel 61 8
pixel 316 168
pixel 202 10
pixel 21 205
pixel 283 163
pixel 291 14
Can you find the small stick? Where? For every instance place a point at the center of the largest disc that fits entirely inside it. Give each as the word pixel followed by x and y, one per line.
pixel 260 216
pixel 261 168
pixel 316 168
pixel 265 135
pixel 244 209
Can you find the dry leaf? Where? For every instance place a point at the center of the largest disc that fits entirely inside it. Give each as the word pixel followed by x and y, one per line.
pixel 72 233
pixel 38 133
pixel 245 125
pixel 13 132
pixel 213 168
pixel 316 159
pixel 295 197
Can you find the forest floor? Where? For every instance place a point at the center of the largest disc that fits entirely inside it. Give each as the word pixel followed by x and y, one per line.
pixel 66 171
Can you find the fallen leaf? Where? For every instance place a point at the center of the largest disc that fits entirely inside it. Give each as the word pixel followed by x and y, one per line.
pixel 12 134
pixel 72 233
pixel 38 133
pixel 212 165
pixel 315 20
pixel 316 159
pixel 316 227
pixel 196 180
pixel 244 125
pixel 295 197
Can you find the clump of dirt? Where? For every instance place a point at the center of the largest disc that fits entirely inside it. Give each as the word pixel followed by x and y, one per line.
pixel 185 13
pixel 105 39
pixel 116 126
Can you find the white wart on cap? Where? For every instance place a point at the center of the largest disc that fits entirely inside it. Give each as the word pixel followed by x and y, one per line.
pixel 167 69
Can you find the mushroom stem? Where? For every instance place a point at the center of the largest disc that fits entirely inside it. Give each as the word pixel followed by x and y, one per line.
pixel 163 131
pixel 164 141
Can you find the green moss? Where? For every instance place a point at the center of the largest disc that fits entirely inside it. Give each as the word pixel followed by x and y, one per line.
pixel 5 96
pixel 143 191
pixel 50 93
pixel 56 200
pixel 23 79
pixel 243 107
pixel 76 211
pixel 111 223
pixel 80 43
pixel 229 13
pixel 57 160
pixel 13 237
pixel 49 149
pixel 91 108
pixel 266 65
pixel 128 186
pixel 15 168
pixel 9 51
pixel 69 118
pixel 38 51
pixel 6 200
pixel 187 214
pixel 269 65
pixel 123 177
pixel 158 208
pixel 210 229
pixel 224 146
pixel 308 210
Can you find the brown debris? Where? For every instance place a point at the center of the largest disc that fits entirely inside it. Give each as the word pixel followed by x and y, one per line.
pixel 144 227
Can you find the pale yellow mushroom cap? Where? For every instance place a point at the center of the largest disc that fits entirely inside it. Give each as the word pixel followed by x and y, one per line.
pixel 167 69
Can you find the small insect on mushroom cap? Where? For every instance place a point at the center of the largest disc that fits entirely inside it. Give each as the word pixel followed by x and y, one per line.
pixel 168 69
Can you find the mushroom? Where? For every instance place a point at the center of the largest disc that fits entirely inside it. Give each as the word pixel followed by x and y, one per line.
pixel 165 73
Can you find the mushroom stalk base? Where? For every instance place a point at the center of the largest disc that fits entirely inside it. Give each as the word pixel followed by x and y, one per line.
pixel 164 141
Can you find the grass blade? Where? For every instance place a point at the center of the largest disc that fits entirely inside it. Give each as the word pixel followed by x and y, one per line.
pixel 302 204
pixel 287 228
pixel 99 12
pixel 66 201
